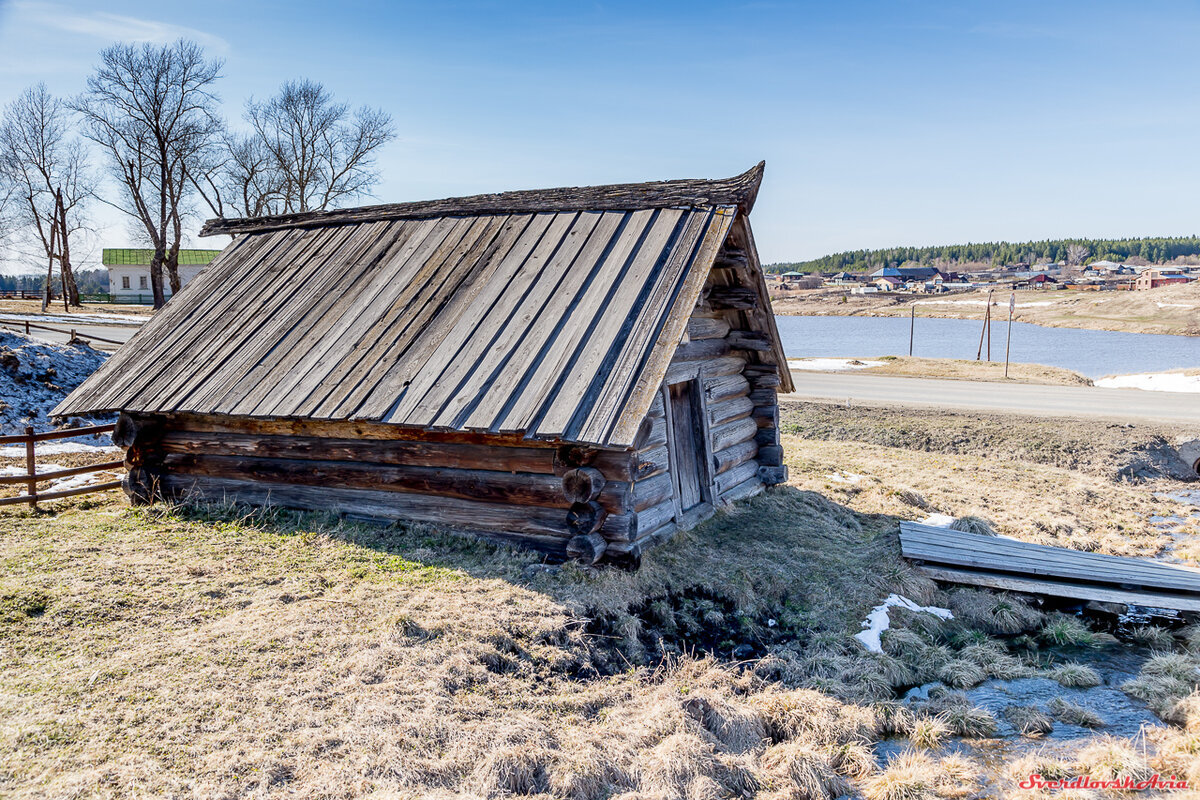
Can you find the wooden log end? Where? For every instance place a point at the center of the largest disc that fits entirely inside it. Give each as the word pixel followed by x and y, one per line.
pixel 772 476
pixel 587 549
pixel 142 486
pixel 582 484
pixel 585 518
pixel 770 455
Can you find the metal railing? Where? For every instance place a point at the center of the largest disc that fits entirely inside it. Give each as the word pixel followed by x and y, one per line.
pixel 32 477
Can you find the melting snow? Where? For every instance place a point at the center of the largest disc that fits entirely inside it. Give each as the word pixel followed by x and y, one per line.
pixel 53 448
pixel 878 620
pixel 1153 381
pixel 938 520
pixel 35 376
pixel 831 364
pixel 844 477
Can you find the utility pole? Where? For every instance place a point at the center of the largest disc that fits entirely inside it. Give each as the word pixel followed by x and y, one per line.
pixel 1012 304
pixel 912 327
pixel 989 326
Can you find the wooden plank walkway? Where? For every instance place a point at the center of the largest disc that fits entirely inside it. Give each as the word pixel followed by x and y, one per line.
pixel 1001 563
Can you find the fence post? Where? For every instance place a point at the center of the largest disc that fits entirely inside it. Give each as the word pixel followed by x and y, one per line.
pixel 31 467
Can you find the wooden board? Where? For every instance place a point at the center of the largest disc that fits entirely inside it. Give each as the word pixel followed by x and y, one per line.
pixel 1010 560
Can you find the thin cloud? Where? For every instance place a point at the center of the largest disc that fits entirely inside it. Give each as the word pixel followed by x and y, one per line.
pixel 114 27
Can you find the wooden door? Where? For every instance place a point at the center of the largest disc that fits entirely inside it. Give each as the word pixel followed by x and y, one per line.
pixel 686 436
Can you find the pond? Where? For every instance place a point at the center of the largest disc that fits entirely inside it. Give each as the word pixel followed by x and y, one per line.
pixel 1091 353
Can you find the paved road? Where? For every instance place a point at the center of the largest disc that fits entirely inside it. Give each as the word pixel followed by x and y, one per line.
pixel 119 333
pixel 1059 401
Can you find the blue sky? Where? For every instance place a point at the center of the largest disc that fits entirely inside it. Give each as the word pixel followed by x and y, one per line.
pixel 881 123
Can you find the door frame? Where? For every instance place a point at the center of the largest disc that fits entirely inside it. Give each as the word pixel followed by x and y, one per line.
pixel 704 455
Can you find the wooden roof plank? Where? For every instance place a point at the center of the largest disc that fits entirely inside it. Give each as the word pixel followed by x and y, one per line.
pixel 458 270
pixel 624 365
pixel 238 325
pixel 219 390
pixel 334 349
pixel 739 191
pixel 611 317
pixel 504 384
pixel 577 322
pixel 328 310
pixel 344 363
pixel 113 379
pixel 483 270
pixel 658 359
pixel 525 302
pixel 168 356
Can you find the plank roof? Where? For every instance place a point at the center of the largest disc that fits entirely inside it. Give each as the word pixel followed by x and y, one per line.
pixel 551 314
pixel 140 257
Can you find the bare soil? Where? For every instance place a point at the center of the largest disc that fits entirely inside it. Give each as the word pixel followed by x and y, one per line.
pixel 959 369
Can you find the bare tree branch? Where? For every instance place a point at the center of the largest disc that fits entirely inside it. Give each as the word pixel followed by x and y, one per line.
pixel 152 109
pixel 44 167
pixel 318 153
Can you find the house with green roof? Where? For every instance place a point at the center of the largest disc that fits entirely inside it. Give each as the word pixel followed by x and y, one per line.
pixel 129 271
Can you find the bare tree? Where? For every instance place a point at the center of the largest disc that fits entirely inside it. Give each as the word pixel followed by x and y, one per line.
pixel 1076 253
pixel 322 152
pixel 45 170
pixel 238 178
pixel 153 110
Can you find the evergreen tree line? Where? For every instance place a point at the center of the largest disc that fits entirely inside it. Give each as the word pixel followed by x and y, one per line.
pixel 1155 250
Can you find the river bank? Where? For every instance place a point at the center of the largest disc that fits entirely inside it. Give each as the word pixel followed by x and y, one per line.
pixel 1173 310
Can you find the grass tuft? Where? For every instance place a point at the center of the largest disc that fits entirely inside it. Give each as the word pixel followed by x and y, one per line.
pixel 1029 720
pixel 1074 675
pixel 1070 713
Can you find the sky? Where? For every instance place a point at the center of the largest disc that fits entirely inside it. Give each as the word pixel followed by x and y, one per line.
pixel 882 123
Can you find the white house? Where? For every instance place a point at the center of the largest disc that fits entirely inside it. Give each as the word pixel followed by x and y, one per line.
pixel 129 271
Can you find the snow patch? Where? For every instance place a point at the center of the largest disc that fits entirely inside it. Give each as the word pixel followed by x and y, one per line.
pixel 14 470
pixel 1152 381
pixel 844 477
pixel 831 364
pixel 938 520
pixel 35 376
pixel 58 448
pixel 1175 305
pixel 76 481
pixel 878 620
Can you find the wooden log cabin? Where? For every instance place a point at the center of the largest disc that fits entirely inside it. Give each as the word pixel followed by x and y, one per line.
pixel 584 371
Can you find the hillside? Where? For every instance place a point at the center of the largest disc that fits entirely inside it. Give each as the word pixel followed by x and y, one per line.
pixel 1154 250
pixel 1168 309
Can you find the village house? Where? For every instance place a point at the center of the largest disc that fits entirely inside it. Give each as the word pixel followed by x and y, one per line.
pixel 129 271
pixel 1152 278
pixel 584 371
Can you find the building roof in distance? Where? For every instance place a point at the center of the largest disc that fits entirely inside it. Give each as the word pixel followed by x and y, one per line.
pixel 140 257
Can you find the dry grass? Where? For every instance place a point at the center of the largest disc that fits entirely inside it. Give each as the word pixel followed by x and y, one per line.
pixel 914 775
pixel 10 306
pixel 1029 720
pixel 1101 449
pixel 1069 508
pixel 959 369
pixel 203 652
pixel 1070 713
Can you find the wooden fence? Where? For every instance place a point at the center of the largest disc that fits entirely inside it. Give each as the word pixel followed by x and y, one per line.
pixel 27 325
pixel 32 477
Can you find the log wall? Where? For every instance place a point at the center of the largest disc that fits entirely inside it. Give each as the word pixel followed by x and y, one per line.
pixel 566 500
pixel 739 378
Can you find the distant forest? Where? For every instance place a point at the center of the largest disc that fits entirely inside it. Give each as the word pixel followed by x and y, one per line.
pixel 91 281
pixel 1152 250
